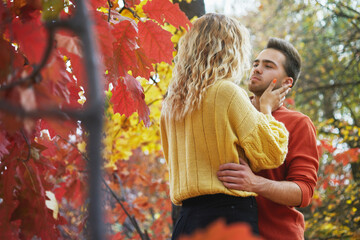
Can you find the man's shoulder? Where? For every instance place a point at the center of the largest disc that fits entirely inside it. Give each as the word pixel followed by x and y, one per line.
pixel 289 113
pixel 286 115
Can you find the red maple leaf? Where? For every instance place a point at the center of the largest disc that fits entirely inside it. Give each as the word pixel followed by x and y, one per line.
pixel 3 143
pixel 60 191
pixel 57 127
pixel 74 95
pixel 69 43
pixel 105 39
pixel 144 65
pixel 32 208
pixel 74 191
pixel 10 61
pixel 16 97
pixel 103 33
pixel 220 231
pixel 128 97
pixel 77 68
pixel 142 202
pixel 327 145
pixel 124 48
pixel 164 11
pixel 131 3
pixel 94 4
pixel 8 229
pixel 31 37
pixel 117 236
pixel 351 155
pixel 125 59
pixel 76 160
pixel 55 79
pixel 156 42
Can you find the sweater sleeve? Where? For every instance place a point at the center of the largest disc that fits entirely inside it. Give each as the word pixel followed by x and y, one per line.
pixel 264 139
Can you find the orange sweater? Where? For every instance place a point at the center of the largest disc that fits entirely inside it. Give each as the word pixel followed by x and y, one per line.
pixel 301 164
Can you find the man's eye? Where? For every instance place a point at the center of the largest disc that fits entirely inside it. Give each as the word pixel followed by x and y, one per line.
pixel 255 65
pixel 268 66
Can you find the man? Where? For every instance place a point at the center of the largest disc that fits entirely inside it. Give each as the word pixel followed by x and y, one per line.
pixel 291 185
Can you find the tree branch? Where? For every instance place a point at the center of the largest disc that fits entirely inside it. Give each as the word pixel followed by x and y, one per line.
pixel 126 7
pixel 110 6
pixel 64 114
pixel 332 86
pixel 28 144
pixel 34 75
pixel 144 236
pixel 155 100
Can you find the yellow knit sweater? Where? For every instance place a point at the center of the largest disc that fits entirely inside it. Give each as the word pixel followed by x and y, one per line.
pixel 225 127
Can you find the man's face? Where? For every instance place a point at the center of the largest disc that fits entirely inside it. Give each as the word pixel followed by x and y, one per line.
pixel 267 66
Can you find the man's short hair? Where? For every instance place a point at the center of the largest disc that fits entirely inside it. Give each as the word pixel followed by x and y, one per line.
pixel 293 60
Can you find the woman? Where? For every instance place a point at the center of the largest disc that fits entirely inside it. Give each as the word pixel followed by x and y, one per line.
pixel 208 120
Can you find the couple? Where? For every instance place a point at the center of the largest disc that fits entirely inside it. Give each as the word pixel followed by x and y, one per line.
pixel 215 137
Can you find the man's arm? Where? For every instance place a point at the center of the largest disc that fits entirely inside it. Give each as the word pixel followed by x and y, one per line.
pixel 240 177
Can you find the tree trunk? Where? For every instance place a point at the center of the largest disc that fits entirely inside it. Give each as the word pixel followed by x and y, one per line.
pixel 355 168
pixel 195 8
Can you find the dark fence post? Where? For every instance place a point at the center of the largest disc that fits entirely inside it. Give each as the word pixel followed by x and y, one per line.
pixel 93 121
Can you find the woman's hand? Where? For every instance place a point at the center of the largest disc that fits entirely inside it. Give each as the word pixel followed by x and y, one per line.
pixel 271 99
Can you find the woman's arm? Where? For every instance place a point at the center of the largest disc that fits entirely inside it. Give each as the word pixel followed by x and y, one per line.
pixel 263 139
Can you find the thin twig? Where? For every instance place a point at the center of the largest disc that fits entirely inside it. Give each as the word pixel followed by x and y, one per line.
pixel 34 75
pixel 121 186
pixel 126 7
pixel 110 6
pixel 28 144
pixel 132 218
pixel 155 100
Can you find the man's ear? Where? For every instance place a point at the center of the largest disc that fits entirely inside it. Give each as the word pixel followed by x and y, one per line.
pixel 288 80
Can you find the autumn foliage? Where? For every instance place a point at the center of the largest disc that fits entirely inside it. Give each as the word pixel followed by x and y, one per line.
pixel 43 161
pixel 220 231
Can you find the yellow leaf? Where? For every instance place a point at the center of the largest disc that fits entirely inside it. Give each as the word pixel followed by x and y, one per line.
pixel 82 99
pixel 52 204
pixel 138 9
pixel 103 10
pixel 82 146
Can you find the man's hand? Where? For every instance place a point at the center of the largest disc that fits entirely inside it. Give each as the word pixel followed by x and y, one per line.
pixel 237 176
pixel 240 177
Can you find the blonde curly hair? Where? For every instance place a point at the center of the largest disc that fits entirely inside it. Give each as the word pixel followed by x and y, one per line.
pixel 215 48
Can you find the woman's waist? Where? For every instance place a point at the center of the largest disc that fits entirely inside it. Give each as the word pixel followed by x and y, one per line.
pixel 218 199
pixel 188 192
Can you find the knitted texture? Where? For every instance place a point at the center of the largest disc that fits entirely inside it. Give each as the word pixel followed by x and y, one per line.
pixel 225 127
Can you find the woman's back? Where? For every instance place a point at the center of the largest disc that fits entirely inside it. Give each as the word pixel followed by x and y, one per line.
pixel 223 127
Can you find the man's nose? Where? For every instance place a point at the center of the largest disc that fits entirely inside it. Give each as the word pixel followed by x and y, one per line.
pixel 257 69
